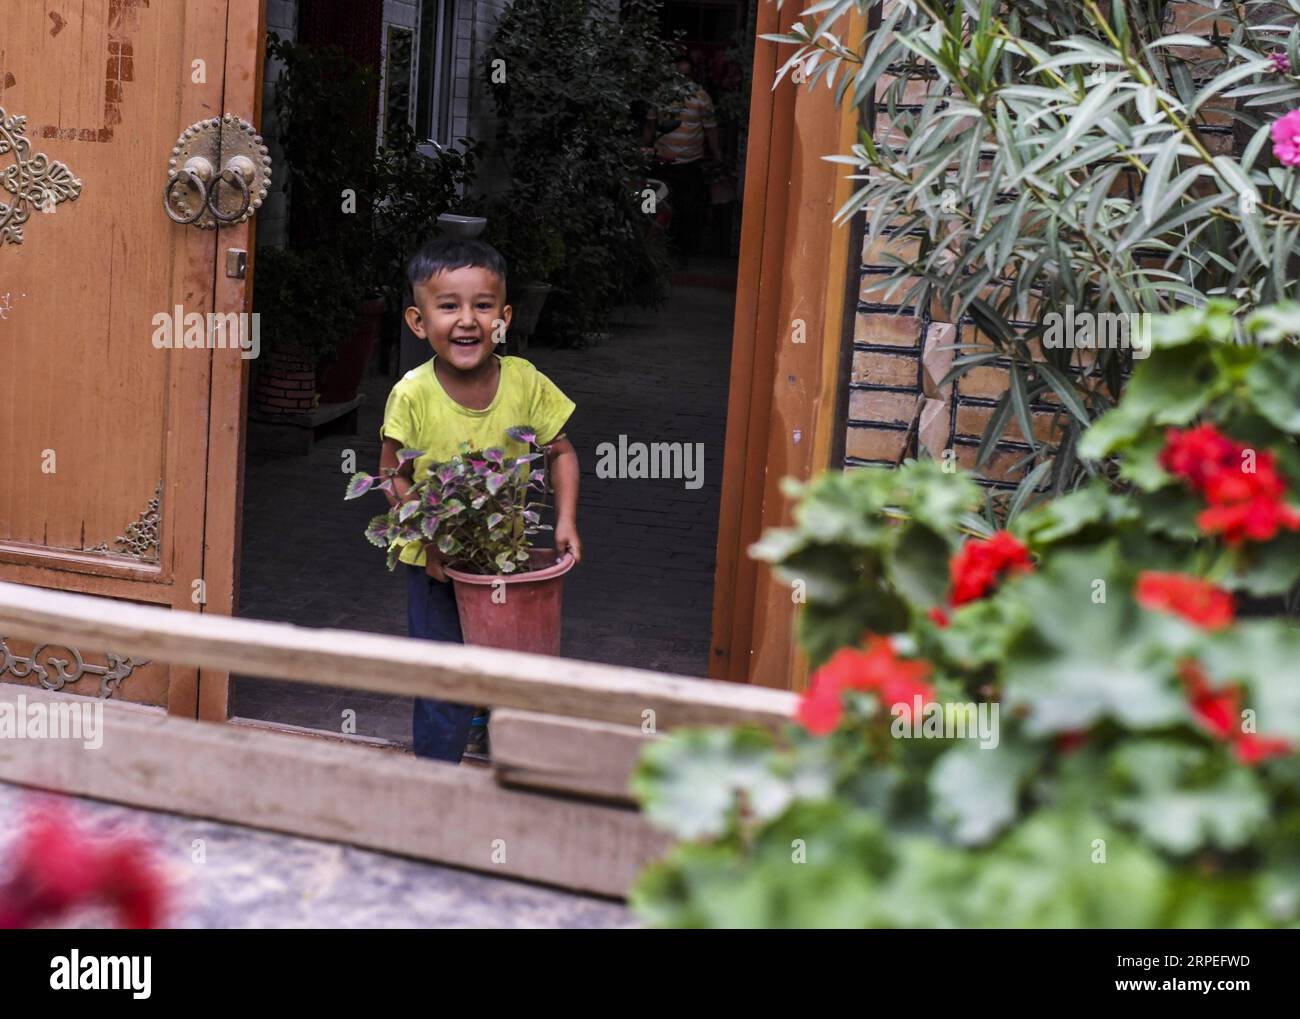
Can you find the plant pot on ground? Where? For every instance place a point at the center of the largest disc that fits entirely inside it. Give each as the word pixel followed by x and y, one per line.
pixel 527 300
pixel 341 378
pixel 476 514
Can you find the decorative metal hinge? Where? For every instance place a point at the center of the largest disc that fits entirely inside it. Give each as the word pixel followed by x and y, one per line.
pixel 35 182
pixel 141 540
pixel 67 670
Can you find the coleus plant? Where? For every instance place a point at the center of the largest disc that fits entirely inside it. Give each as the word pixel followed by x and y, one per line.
pixel 1132 642
pixel 477 509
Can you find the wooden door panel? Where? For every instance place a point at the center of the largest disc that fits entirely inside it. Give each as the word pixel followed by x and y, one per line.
pixel 103 436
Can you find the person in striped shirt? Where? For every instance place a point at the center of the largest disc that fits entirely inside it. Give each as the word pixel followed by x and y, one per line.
pixel 687 134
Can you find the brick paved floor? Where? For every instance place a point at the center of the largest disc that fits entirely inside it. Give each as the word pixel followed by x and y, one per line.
pixel 642 596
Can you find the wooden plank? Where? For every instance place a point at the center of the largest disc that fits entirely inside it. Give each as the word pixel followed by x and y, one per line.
pixel 398 665
pixel 390 802
pixel 570 755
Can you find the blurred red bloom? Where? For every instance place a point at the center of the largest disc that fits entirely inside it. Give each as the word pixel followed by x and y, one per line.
pixel 1071 740
pixel 1219 712
pixel 1252 748
pixel 1245 495
pixel 877 669
pixel 1255 520
pixel 1196 600
pixel 981 563
pixel 55 867
pixel 820 709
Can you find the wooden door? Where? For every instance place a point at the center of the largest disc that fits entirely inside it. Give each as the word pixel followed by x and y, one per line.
pixel 119 460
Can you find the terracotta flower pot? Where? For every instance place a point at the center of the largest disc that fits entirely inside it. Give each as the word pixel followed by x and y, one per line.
pixel 516 612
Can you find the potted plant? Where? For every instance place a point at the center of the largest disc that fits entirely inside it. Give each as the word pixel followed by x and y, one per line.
pixel 479 512
pixel 523 230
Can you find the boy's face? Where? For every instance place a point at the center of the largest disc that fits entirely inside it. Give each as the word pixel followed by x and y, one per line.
pixel 462 313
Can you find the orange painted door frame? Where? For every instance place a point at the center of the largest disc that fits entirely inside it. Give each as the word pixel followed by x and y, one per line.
pixel 784 405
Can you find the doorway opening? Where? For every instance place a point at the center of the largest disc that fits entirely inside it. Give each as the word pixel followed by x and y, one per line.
pixel 643 594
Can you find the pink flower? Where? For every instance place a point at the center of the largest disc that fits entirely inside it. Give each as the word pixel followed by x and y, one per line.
pixel 1286 139
pixel 1281 63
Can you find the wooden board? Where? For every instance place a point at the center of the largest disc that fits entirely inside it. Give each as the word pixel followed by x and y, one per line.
pixel 390 802
pixel 399 665
pixel 569 755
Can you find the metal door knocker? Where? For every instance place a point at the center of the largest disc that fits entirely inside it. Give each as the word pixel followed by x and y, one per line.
pixel 197 193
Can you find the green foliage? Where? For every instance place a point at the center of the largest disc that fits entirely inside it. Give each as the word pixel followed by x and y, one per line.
pixel 357 213
pixel 574 155
pixel 477 509
pixel 410 191
pixel 322 106
pixel 1067 153
pixel 1110 794
pixel 868 548
pixel 308 300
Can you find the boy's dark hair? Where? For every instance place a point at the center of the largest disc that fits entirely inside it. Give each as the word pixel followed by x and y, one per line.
pixel 448 253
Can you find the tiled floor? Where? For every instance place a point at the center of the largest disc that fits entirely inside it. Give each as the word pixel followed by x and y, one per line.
pixel 643 594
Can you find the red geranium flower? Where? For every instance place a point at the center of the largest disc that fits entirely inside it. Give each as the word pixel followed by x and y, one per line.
pixel 1219 712
pixel 1196 453
pixel 878 669
pixel 1198 601
pixel 1256 520
pixel 1251 748
pixel 1245 495
pixel 981 563
pixel 820 709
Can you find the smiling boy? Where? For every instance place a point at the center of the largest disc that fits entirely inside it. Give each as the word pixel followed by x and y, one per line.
pixel 466 393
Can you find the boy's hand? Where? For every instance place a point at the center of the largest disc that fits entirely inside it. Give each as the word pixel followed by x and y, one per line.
pixel 567 540
pixel 433 561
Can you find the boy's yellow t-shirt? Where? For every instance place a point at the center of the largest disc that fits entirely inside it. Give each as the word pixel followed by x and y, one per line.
pixel 420 415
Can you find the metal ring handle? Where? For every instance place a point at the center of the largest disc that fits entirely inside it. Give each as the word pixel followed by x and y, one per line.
pixel 190 177
pixel 235 179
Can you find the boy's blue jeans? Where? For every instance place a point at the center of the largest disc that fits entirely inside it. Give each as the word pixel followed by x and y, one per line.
pixel 441 729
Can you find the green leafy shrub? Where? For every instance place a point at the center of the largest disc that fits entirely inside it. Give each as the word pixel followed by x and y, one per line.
pixel 1046 153
pixel 1134 759
pixel 308 300
pixel 358 213
pixel 573 153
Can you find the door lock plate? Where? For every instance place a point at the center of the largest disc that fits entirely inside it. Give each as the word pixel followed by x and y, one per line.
pixel 219 174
